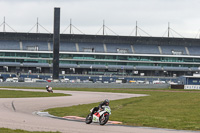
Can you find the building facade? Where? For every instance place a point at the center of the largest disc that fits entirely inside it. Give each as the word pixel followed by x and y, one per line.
pixel 100 54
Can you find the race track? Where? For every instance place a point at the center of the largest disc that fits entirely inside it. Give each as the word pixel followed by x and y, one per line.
pixel 18 113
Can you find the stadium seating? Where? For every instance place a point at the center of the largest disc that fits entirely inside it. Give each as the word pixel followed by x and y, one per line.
pixel 119 67
pixel 99 66
pixel 128 67
pixel 148 68
pixel 173 50
pixel 91 47
pixel 92 66
pixel 9 45
pixel 146 49
pixel 118 48
pixel 194 50
pixel 176 68
pixel 194 69
pixel 67 47
pixel 100 54
pixel 85 65
pixel 9 63
pixel 36 64
pixel 35 45
pixel 68 65
pixel 99 48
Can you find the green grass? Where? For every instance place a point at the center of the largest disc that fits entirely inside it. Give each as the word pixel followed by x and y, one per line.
pixel 173 110
pixel 164 108
pixel 25 94
pixel 6 130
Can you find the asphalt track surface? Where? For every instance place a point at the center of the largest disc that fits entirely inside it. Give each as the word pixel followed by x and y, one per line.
pixel 19 113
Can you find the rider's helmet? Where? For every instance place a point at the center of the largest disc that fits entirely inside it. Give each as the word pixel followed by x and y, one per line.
pixel 47 86
pixel 107 102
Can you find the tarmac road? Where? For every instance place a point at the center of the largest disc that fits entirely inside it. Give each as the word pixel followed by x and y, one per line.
pixel 18 113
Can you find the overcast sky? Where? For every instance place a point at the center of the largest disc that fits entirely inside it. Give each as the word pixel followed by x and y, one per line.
pixel 120 16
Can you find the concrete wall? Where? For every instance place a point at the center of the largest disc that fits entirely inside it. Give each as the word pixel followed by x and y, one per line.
pixel 84 85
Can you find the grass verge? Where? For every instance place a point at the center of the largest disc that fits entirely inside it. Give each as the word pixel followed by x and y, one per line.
pixel 6 130
pixel 25 94
pixel 162 109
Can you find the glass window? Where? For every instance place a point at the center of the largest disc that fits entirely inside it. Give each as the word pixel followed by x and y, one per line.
pixel 2 54
pixel 9 60
pixel 194 81
pixel 121 63
pixel 110 57
pixel 44 55
pixel 7 54
pixel 66 56
pixel 20 60
pixel 32 55
pixel 122 57
pixel 188 59
pixel 111 63
pixel 20 54
pixel 100 63
pixel 42 61
pixel 12 54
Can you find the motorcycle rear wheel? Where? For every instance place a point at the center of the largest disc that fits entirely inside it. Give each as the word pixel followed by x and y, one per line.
pixel 88 119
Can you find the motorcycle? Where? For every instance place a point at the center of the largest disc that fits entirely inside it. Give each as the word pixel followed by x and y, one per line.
pixel 100 117
pixel 50 89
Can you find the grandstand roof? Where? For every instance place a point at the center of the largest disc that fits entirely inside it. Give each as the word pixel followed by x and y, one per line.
pixel 99 38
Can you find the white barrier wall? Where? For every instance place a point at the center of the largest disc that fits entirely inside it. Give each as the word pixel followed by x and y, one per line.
pixel 83 85
pixel 192 87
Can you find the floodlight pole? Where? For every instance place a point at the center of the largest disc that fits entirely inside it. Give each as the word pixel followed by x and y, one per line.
pixel 168 28
pixel 4 24
pixel 136 29
pixel 56 43
pixel 37 26
pixel 103 27
pixel 70 27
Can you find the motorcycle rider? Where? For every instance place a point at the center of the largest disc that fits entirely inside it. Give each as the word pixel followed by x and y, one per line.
pixel 49 89
pixel 104 103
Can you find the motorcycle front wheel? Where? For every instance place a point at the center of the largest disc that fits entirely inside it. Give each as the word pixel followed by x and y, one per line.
pixel 103 119
pixel 88 119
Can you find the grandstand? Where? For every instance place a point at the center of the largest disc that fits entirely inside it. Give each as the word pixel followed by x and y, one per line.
pixel 100 54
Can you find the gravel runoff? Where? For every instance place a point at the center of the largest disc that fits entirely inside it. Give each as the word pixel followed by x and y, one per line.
pixel 19 113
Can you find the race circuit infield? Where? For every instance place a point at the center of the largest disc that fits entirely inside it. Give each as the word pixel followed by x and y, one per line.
pixel 19 113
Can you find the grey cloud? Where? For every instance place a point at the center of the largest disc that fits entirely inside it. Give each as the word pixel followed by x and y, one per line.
pixel 119 15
